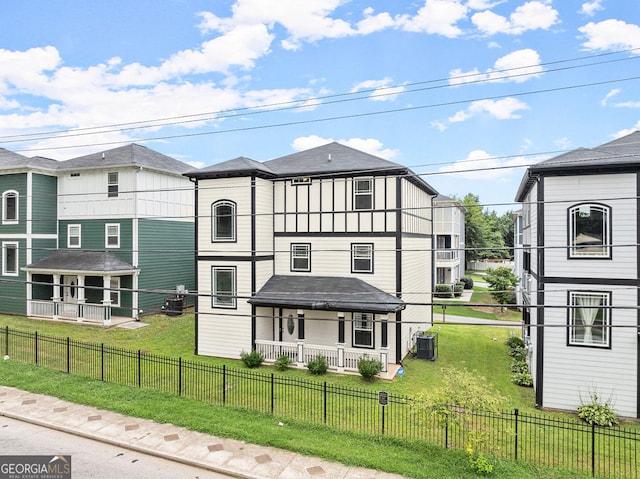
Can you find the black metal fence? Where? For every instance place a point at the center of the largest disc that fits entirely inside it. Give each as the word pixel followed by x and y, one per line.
pixel 536 439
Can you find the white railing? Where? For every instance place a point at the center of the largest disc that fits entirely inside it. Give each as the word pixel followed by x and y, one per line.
pixel 338 357
pixel 447 255
pixel 61 310
pixel 43 309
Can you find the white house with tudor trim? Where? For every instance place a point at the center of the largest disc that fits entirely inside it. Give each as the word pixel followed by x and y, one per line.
pixel 322 252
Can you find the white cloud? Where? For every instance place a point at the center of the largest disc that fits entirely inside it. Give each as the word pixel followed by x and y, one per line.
pixel 610 35
pixel 518 66
pixel 380 91
pixel 563 143
pixel 493 168
pixel 437 17
pixel 590 8
pixel 609 95
pixel 626 131
pixel 504 109
pixel 373 23
pixel 533 15
pixel 368 145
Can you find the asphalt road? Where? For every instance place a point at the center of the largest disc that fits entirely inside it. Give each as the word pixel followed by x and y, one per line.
pixel 92 459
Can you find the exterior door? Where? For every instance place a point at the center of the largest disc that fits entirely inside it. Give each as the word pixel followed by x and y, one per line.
pixel 70 289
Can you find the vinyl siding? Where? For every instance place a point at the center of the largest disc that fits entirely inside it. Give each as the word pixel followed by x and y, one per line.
pixel 163 196
pixel 44 205
pixel 93 236
pixel 14 182
pixel 13 288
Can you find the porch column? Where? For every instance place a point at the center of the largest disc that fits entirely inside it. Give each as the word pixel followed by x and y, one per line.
pixel 106 300
pixel 340 344
pixel 384 346
pixel 81 298
pixel 56 295
pixel 300 342
pixel 29 292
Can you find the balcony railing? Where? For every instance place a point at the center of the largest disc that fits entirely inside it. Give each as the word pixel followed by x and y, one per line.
pixel 89 312
pixel 447 255
pixel 338 357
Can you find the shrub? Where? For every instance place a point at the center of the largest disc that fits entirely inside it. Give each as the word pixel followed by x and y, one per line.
pixel 518 354
pixel 368 368
pixel 522 379
pixel 282 363
pixel 457 289
pixel 468 282
pixel 252 359
pixel 597 412
pixel 318 366
pixel 519 367
pixel 443 291
pixel 514 341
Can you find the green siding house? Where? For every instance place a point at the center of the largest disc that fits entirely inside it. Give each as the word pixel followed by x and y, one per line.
pixel 102 235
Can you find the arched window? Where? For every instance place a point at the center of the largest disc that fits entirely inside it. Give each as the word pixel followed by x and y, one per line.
pixel 589 231
pixel 223 221
pixel 10 207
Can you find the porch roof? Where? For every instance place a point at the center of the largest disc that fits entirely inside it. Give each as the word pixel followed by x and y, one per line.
pixel 327 293
pixel 81 262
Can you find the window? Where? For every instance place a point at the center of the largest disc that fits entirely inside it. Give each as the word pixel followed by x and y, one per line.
pixel 10 259
pixel 112 184
pixel 223 221
pixel 301 180
pixel 114 293
pixel 300 257
pixel 363 330
pixel 363 193
pixel 362 258
pixel 589 234
pixel 112 235
pixel 74 236
pixel 589 318
pixel 224 287
pixel 10 207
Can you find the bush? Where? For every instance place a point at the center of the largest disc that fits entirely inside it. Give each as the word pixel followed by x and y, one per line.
pixel 443 291
pixel 282 363
pixel 468 282
pixel 368 368
pixel 519 367
pixel 598 413
pixel 515 342
pixel 457 289
pixel 318 366
pixel 522 379
pixel 252 359
pixel 518 354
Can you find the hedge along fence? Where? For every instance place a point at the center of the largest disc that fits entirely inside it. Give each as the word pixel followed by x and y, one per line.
pixel 536 439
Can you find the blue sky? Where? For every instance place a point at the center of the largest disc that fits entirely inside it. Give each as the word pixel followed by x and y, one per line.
pixel 464 92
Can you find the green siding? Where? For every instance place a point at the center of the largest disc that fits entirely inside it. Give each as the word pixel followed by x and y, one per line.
pixel 12 288
pixel 166 259
pixel 16 182
pixel 93 236
pixel 41 248
pixel 44 204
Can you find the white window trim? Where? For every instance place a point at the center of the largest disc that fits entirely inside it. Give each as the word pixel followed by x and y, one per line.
pixel 574 249
pixel 106 235
pixel 357 193
pixel 115 283
pixel 5 245
pixel 116 192
pixel 5 220
pixel 369 318
pixel 69 236
pixel 354 257
pixel 307 256
pixel 214 222
pixel 605 300
pixel 214 292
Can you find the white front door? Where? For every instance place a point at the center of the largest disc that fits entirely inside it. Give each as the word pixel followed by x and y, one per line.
pixel 70 289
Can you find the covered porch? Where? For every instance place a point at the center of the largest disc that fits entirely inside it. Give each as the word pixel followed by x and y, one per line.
pixel 79 285
pixel 342 319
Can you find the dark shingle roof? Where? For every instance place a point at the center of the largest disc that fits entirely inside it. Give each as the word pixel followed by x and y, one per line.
pixel 616 155
pixel 10 161
pixel 128 155
pixel 325 293
pixel 82 261
pixel 237 167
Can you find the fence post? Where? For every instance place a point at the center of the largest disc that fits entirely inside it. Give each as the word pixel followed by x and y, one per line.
pixel 515 413
pixel 383 408
pixel 446 431
pixel 325 402
pixel 36 349
pixel 101 361
pixel 180 376
pixel 593 449
pixel 139 369
pixel 6 341
pixel 224 384
pixel 68 355
pixel 272 393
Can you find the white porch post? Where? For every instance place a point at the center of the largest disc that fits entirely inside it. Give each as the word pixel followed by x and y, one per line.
pixel 81 298
pixel 106 300
pixel 56 295
pixel 300 342
pixel 340 343
pixel 29 292
pixel 384 349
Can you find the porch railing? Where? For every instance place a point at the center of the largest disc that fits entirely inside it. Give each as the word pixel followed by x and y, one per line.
pixel 447 255
pixel 60 310
pixel 338 357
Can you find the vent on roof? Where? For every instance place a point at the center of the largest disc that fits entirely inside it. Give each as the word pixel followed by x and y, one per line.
pixel 75 175
pixel 329 157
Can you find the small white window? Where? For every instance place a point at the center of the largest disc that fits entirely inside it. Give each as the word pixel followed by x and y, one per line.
pixel 10 258
pixel 363 330
pixel 589 319
pixel 112 235
pixel 363 193
pixel 223 287
pixel 362 258
pixel 223 221
pixel 301 180
pixel 74 239
pixel 114 293
pixel 10 207
pixel 112 184
pixel 300 257
pixel 589 235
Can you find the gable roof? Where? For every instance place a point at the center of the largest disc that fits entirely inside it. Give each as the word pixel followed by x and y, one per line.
pixel 614 156
pixel 326 293
pixel 128 155
pixel 240 166
pixel 11 161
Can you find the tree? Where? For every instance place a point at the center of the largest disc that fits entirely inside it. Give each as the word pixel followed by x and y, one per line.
pixel 502 282
pixel 487 235
pixel 475 228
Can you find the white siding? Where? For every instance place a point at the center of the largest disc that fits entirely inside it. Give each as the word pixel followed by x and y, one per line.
pixel 164 196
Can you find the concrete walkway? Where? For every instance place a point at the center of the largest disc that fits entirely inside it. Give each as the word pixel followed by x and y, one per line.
pixel 227 456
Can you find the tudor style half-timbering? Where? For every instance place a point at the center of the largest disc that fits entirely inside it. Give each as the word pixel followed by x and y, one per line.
pixel 322 252
pixel 580 275
pixel 95 236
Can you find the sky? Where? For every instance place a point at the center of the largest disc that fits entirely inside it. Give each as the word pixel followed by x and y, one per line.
pixel 466 93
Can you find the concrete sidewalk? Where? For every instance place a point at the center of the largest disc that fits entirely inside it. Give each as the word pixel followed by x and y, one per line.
pixel 228 456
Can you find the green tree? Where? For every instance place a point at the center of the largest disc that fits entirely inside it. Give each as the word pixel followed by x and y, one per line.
pixel 502 282
pixel 475 228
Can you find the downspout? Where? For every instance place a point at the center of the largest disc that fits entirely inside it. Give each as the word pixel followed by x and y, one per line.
pixel 398 267
pixel 195 259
